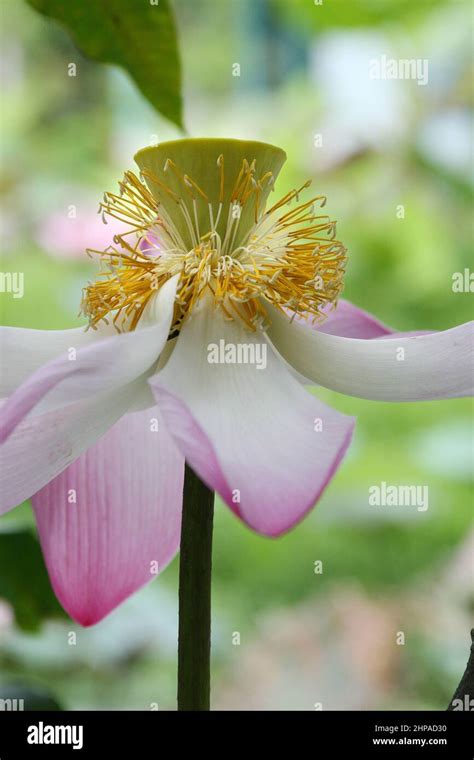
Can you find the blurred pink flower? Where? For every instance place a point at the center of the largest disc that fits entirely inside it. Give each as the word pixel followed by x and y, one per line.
pixel 62 236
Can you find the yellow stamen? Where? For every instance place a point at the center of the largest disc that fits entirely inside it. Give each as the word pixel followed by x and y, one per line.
pixel 290 260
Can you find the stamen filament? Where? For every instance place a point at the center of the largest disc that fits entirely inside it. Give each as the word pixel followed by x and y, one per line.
pixel 290 259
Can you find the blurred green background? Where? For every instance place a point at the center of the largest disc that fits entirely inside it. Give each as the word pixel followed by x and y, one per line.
pixel 284 636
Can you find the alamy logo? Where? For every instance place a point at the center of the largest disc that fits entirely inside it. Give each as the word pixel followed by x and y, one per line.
pixel 463 282
pixel 237 353
pixel 386 495
pixel 465 704
pixel 12 282
pixel 41 734
pixel 401 68
pixel 12 705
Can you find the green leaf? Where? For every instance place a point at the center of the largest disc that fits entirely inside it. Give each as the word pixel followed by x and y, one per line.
pixel 24 581
pixel 318 15
pixel 138 36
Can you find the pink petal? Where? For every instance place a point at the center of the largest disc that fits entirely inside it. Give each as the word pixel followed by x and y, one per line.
pixel 349 321
pixel 249 433
pixel 103 365
pixel 124 526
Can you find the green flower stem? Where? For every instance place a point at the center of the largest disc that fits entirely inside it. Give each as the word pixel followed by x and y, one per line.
pixel 194 640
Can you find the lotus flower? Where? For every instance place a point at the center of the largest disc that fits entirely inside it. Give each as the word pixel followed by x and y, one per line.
pixel 97 423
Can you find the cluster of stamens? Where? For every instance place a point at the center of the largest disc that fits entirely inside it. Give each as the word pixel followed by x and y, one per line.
pixel 287 258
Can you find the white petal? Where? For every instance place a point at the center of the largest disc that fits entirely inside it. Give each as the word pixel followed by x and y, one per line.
pixel 254 435
pixel 433 366
pixel 23 350
pixel 99 367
